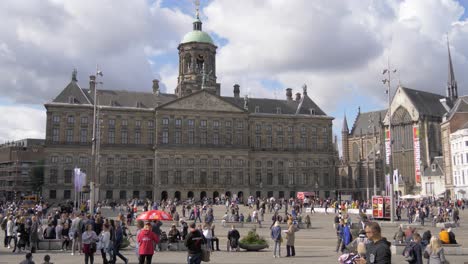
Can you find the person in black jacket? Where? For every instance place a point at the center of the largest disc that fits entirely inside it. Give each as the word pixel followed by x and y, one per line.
pixel 233 239
pixel 416 248
pixel 193 242
pixel 378 248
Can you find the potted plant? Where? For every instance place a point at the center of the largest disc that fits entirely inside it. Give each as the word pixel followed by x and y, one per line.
pixel 253 242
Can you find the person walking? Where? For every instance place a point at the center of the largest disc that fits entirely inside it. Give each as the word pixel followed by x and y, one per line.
pixel 378 248
pixel 34 234
pixel 147 241
pixel 290 237
pixel 276 237
pixel 416 248
pixel 118 243
pixel 9 231
pixel 104 240
pixel 89 239
pixel 75 233
pixel 194 242
pixel 28 259
pixel 435 252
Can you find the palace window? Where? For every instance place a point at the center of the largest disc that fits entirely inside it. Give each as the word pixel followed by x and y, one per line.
pixel 84 120
pixel 203 123
pixel 123 177
pixel 165 138
pixel 67 178
pixel 191 137
pixel 178 177
pixel 111 123
pixel 111 137
pixel 53 175
pixel 191 123
pixel 178 137
pixel 110 177
pixel 124 137
pixel 137 137
pixel 190 177
pixel 83 135
pixel 164 177
pixel 69 135
pixel 71 120
pixel 228 179
pixel 165 121
pixel 56 119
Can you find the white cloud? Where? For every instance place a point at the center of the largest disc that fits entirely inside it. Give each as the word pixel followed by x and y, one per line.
pixel 337 47
pixel 20 122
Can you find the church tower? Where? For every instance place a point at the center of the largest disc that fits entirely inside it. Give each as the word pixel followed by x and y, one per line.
pixel 197 61
pixel 344 140
pixel 452 89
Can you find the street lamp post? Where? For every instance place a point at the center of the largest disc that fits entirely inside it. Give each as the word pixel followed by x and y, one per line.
pixel 387 81
pixel 95 145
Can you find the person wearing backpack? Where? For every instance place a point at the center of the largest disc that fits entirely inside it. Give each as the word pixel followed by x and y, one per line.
pixel 413 251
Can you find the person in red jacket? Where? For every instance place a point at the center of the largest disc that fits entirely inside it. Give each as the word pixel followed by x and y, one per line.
pixel 146 241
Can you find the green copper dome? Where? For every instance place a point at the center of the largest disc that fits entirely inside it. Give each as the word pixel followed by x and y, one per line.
pixel 197 36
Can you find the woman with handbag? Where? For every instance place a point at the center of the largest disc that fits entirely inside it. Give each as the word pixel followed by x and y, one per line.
pixel 89 239
pixel 103 244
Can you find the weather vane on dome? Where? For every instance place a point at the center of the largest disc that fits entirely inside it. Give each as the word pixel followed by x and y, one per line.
pixel 197 8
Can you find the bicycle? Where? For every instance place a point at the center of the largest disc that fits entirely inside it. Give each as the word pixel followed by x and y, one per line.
pixel 131 238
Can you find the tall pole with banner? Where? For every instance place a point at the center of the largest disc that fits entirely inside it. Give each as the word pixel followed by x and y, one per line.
pixel 388 138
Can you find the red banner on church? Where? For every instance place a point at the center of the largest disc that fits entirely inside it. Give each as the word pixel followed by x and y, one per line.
pixel 417 154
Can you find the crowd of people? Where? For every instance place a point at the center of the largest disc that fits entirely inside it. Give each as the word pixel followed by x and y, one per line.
pixel 86 234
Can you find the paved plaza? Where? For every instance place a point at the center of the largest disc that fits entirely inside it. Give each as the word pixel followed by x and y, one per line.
pixel 316 245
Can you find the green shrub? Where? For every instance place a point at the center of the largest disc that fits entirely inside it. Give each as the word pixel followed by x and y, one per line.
pixel 253 238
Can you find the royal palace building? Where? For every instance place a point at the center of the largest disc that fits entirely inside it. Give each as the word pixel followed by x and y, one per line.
pixel 194 143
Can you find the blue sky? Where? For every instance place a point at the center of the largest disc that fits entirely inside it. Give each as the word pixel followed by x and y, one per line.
pixel 338 48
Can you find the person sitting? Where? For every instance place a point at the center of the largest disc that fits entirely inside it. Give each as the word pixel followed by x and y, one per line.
pixel 426 238
pixel 452 239
pixel 399 235
pixel 49 232
pixel 409 234
pixel 444 236
pixel 174 234
pixel 233 239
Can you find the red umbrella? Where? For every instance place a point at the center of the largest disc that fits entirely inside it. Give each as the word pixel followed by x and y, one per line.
pixel 155 215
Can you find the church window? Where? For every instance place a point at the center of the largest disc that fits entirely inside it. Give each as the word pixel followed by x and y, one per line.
pixel 355 151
